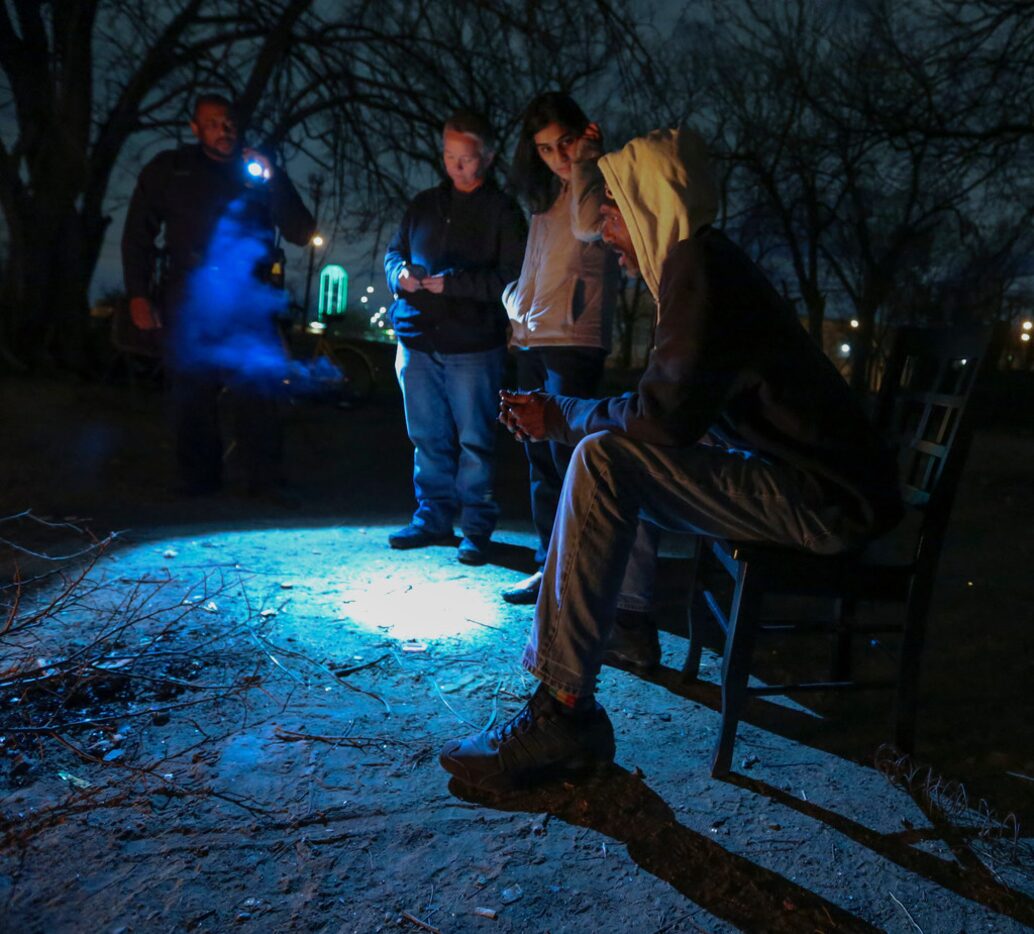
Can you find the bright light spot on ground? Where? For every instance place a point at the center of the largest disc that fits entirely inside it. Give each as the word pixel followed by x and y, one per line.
pixel 845 349
pixel 422 609
pixel 854 322
pixel 317 240
pixel 334 591
pixel 369 290
pixel 364 299
pixel 1027 325
pixel 1025 336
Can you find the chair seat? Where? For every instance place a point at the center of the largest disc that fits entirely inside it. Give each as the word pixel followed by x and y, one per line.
pixel 883 570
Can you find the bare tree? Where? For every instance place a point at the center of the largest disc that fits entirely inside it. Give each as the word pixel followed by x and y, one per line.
pixel 358 86
pixel 848 167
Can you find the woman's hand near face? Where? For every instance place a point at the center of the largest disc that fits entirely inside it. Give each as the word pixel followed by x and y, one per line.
pixel 589 145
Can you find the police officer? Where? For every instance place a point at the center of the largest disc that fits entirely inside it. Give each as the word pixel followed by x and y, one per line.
pixel 218 207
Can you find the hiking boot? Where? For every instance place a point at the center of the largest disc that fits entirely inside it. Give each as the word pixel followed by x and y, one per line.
pixel 525 591
pixel 416 536
pixel 633 643
pixel 544 740
pixel 473 550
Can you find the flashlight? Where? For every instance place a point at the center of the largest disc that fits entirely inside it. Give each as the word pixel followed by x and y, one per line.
pixel 256 171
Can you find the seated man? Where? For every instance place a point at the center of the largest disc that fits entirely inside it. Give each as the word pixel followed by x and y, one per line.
pixel 740 427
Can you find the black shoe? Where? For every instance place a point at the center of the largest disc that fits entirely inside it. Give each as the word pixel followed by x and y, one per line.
pixel 416 536
pixel 524 592
pixel 633 643
pixel 541 742
pixel 473 550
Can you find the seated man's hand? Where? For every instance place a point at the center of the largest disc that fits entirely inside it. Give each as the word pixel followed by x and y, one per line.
pixel 142 312
pixel 407 281
pixel 524 414
pixel 435 284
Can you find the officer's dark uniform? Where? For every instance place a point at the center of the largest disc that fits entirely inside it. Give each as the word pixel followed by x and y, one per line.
pixel 216 310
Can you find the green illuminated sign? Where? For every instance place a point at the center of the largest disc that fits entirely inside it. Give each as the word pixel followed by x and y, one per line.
pixel 333 291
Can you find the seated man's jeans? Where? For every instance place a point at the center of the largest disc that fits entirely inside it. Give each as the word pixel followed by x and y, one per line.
pixel 451 404
pixel 613 482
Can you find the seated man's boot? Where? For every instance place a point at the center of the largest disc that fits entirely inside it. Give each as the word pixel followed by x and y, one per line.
pixel 633 642
pixel 543 741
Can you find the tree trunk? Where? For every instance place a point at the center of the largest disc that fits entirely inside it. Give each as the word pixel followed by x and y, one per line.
pixel 43 295
pixel 861 350
pixel 815 302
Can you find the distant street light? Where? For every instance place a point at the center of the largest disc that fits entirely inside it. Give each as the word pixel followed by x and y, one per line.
pixel 316 191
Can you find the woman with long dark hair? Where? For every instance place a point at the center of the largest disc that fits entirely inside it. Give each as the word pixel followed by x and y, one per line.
pixel 561 309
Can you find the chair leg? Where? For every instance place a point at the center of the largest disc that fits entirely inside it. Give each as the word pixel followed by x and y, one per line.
pixel 908 674
pixel 695 620
pixel 739 650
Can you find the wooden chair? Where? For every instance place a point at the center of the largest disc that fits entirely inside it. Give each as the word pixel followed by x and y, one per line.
pixel 924 405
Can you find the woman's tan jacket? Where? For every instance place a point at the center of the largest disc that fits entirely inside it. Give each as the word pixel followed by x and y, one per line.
pixel 568 285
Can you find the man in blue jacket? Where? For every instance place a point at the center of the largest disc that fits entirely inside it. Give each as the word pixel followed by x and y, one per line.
pixel 458 245
pixel 740 427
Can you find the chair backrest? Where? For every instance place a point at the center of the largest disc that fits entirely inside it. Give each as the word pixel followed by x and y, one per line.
pixel 924 406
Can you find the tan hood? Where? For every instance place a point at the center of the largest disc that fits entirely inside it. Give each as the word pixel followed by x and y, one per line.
pixel 663 187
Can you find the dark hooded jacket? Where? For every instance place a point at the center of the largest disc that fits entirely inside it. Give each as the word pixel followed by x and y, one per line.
pixel 730 357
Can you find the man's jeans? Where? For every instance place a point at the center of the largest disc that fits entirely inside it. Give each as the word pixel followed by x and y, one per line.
pixel 560 371
pixel 611 483
pixel 451 403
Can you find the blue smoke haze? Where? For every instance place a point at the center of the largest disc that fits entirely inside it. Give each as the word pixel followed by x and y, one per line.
pixel 227 321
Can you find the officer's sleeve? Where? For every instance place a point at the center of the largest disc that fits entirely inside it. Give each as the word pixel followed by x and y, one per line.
pixel 143 223
pixel 289 213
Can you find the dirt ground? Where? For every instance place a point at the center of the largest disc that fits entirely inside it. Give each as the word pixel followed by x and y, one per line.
pixel 228 716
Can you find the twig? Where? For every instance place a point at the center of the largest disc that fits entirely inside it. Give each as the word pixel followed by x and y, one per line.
pixel 357 742
pixel 420 924
pixel 441 696
pixel 89 549
pixel 478 622
pixel 305 658
pixel 907 912
pixel 125 715
pixel 344 672
pixel 81 753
